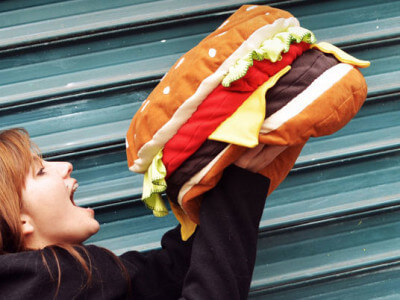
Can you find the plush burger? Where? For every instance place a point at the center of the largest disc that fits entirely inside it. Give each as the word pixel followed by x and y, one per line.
pixel 259 80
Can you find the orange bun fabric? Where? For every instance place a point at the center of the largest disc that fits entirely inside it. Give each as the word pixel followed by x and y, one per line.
pixel 330 107
pixel 325 105
pixel 184 88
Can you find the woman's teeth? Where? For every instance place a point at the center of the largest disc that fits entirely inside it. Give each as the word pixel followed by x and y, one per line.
pixel 76 185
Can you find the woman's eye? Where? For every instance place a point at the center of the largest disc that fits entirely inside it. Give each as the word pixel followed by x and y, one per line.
pixel 40 172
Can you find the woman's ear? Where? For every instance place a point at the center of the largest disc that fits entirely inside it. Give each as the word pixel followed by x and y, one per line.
pixel 26 225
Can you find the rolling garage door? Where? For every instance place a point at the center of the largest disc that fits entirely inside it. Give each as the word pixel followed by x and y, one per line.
pixel 73 73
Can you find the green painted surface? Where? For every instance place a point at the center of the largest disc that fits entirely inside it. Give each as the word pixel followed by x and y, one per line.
pixel 74 73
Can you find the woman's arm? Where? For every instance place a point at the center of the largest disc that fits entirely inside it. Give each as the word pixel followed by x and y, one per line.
pixel 159 274
pixel 217 261
pixel 224 248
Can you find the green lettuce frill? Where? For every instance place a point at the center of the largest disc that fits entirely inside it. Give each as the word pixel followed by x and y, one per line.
pixel 270 49
pixel 153 185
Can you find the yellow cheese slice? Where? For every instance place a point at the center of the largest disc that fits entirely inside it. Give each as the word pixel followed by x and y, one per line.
pixel 341 55
pixel 243 126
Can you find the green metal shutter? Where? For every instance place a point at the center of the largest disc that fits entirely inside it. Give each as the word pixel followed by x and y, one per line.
pixel 73 73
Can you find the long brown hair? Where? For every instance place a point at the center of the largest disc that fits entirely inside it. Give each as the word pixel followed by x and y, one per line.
pixel 16 160
pixel 17 155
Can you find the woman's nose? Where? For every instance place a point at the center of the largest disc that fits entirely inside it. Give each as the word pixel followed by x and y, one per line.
pixel 65 168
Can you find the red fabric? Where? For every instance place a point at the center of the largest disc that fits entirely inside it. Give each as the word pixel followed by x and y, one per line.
pixel 219 105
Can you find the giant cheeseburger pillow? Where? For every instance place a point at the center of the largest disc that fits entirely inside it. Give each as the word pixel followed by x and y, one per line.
pixel 259 78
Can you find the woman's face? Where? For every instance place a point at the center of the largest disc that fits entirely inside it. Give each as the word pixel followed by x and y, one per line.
pixel 49 211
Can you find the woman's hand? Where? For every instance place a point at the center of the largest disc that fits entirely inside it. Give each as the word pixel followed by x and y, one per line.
pixel 257 158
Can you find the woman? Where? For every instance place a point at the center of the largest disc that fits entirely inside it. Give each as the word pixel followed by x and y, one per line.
pixel 42 230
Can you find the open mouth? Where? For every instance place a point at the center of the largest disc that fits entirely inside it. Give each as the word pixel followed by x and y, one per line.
pixel 74 188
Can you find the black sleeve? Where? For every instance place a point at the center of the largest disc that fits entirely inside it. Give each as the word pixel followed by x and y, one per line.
pixel 218 261
pixel 52 273
pixel 224 248
pixel 159 274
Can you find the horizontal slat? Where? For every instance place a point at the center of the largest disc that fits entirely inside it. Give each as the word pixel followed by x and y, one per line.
pixel 22 12
pixel 120 59
pixel 93 64
pixel 69 19
pixel 298 257
pixel 343 188
pixel 85 80
pixel 49 21
pixel 381 282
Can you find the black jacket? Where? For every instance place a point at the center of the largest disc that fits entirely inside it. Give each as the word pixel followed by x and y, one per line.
pixel 216 263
